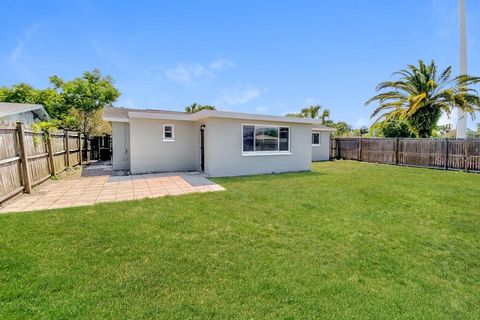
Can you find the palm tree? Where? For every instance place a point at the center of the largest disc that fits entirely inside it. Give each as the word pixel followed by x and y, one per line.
pixel 420 97
pixel 311 112
pixel 195 107
pixel 325 116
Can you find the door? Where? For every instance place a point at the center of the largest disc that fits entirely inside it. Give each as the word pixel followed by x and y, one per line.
pixel 202 147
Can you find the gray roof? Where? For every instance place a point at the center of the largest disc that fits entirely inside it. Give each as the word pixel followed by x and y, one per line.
pixel 122 113
pixel 114 114
pixel 320 127
pixel 9 108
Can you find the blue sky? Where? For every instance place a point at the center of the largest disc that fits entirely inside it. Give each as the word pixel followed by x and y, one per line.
pixel 268 57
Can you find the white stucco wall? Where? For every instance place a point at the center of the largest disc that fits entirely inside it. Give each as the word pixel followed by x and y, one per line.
pixel 322 152
pixel 223 149
pixel 120 146
pixel 149 153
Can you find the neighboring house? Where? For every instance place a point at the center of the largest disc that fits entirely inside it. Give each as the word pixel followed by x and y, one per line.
pixel 218 143
pixel 23 112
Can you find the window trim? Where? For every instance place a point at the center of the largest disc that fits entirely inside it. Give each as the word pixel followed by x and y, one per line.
pixel 264 153
pixel 319 144
pixel 172 139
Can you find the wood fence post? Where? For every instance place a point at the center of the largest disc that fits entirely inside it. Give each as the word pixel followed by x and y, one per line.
pixel 50 154
pixel 397 143
pixel 79 148
pixel 26 176
pixel 359 156
pixel 88 150
pixel 446 154
pixel 465 150
pixel 84 152
pixel 67 150
pixel 337 149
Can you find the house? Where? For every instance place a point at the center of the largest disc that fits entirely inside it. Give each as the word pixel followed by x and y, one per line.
pixel 23 112
pixel 321 143
pixel 218 143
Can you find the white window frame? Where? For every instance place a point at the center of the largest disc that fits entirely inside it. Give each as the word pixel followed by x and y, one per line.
pixel 265 153
pixel 172 139
pixel 319 139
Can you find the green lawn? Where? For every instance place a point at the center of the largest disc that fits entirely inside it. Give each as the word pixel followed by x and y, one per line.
pixel 348 240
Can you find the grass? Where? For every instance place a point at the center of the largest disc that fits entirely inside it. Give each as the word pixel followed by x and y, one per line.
pixel 348 241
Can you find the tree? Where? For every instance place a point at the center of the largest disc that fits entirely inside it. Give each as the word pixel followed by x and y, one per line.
pixel 420 96
pixel 325 117
pixel 53 103
pixel 86 95
pixel 444 129
pixel 364 130
pixel 19 93
pixel 472 134
pixel 342 129
pixel 293 115
pixel 313 112
pixel 195 107
pixel 25 93
pixel 396 128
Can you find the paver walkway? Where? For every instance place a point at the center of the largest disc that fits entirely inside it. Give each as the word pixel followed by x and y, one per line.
pixel 89 190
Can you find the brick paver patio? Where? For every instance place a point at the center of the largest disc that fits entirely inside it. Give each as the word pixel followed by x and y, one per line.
pixel 81 191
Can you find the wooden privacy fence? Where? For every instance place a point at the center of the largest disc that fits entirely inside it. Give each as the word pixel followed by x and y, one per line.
pixel 28 158
pixel 448 154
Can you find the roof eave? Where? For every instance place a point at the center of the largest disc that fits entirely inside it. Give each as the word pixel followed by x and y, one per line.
pixel 249 116
pixel 219 114
pixel 114 119
pixel 324 129
pixel 32 108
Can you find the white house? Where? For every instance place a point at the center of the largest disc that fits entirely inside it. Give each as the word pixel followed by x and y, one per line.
pixel 218 143
pixel 321 143
pixel 23 112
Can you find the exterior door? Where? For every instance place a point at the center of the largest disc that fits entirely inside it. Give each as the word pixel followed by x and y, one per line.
pixel 202 147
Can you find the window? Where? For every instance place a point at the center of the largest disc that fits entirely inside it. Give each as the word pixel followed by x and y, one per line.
pixel 168 132
pixel 260 139
pixel 315 139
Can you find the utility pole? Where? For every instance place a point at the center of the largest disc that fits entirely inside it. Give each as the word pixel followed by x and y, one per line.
pixel 461 116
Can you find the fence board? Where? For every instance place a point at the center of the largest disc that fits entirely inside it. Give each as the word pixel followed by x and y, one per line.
pixel 348 148
pixel 10 175
pixel 429 153
pixel 37 157
pixel 378 150
pixel 422 152
pixel 36 151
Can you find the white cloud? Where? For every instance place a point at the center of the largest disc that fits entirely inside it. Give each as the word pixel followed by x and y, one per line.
pixel 240 95
pixel 190 75
pixel 220 64
pixel 18 49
